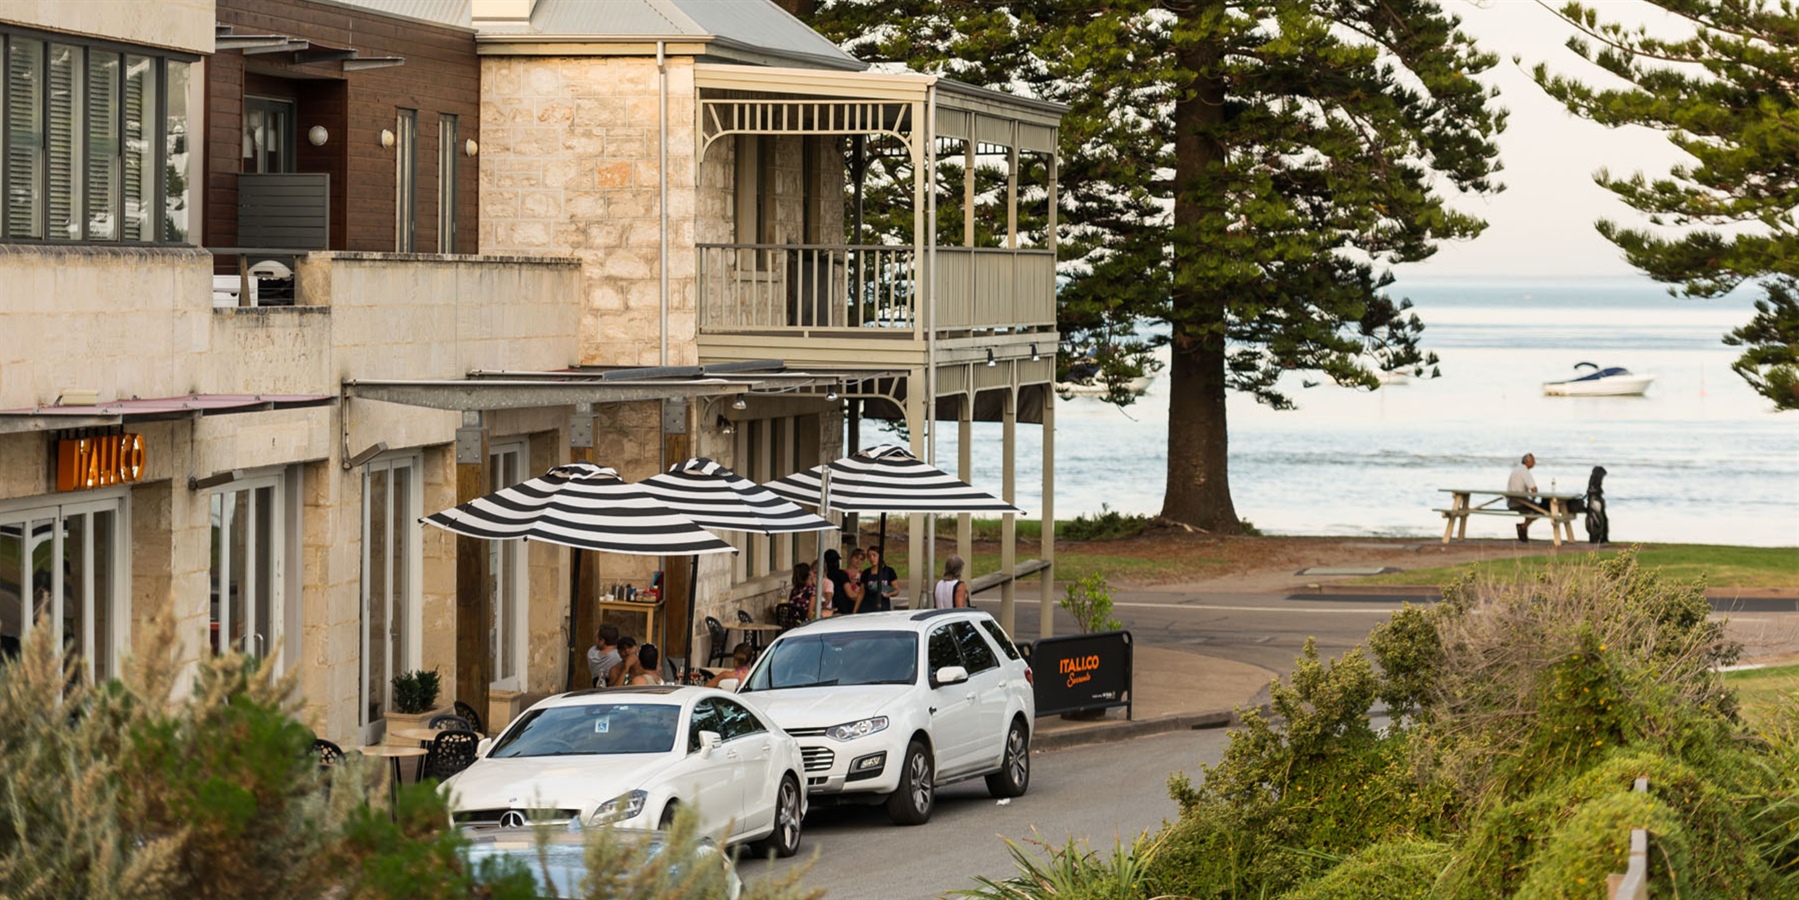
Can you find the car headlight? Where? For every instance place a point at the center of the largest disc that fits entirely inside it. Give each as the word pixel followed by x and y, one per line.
pixel 849 731
pixel 620 808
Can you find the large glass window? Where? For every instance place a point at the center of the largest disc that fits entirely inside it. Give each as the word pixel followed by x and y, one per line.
pixel 249 565
pixel 88 137
pixel 268 135
pixel 390 594
pixel 506 564
pixel 62 568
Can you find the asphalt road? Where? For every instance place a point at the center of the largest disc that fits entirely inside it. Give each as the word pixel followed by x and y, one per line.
pixel 1097 793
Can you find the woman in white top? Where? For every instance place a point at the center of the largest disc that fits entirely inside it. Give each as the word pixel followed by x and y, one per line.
pixel 951 591
pixel 645 665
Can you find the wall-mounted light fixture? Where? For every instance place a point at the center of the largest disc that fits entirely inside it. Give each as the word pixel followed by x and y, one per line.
pixel 725 426
pixel 739 403
pixel 990 361
pixel 387 139
pixel 470 148
pixel 368 453
pixel 1035 356
pixel 831 394
pixel 214 480
pixel 317 135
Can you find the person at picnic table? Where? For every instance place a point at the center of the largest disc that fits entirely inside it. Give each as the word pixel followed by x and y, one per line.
pixel 804 590
pixel 620 674
pixel 878 583
pixel 1521 482
pixel 603 655
pixel 951 591
pixel 741 657
pixel 644 666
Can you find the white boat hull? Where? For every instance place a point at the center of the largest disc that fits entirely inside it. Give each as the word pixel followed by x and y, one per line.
pixel 1617 386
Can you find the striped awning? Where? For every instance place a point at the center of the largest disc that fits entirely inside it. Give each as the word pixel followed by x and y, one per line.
pixel 715 497
pixel 581 505
pixel 888 478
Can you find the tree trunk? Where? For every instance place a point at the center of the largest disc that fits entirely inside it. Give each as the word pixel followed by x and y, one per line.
pixel 1198 492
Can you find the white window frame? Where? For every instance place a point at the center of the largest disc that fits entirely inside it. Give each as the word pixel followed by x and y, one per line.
pixel 284 523
pixel 508 570
pixel 406 181
pixel 411 465
pixel 116 501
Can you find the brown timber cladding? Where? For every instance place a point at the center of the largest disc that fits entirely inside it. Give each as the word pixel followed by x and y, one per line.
pixel 441 76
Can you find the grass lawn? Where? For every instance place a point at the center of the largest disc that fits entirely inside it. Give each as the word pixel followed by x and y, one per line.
pixel 1719 566
pixel 1114 566
pixel 1761 691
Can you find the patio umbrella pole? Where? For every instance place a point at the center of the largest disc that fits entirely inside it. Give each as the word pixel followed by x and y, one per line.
pixel 693 586
pixel 574 615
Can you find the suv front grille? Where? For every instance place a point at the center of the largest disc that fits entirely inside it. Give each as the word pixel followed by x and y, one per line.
pixel 818 759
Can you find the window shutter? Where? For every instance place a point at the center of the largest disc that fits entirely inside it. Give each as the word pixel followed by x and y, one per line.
pixel 102 146
pixel 24 138
pixel 139 155
pixel 65 133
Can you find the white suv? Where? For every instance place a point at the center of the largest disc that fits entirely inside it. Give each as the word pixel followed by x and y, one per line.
pixel 887 706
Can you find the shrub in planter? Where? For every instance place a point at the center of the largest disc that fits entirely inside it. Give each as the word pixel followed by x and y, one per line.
pixel 416 692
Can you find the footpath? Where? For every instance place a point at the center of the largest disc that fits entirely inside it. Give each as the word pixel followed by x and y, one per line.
pixel 1177 690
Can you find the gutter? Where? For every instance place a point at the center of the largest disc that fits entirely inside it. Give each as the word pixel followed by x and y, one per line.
pixel 662 205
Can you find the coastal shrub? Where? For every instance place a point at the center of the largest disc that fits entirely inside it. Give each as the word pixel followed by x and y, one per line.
pixel 1391 870
pixel 1089 600
pixel 1072 871
pixel 1105 525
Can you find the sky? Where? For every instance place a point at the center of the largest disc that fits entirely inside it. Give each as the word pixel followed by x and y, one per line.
pixel 1541 226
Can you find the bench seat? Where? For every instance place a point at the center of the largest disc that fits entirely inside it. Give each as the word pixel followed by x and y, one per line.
pixel 1458 513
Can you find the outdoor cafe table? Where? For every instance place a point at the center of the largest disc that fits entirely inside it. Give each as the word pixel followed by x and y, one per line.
pixel 1553 507
pixel 394 755
pixel 753 631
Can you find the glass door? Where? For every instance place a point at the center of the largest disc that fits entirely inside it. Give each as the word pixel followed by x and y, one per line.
pixel 390 593
pixel 506 565
pixel 268 135
pixel 249 566
pixel 62 567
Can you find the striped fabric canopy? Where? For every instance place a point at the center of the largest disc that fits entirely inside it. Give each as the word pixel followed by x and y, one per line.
pixel 716 497
pixel 888 478
pixel 581 505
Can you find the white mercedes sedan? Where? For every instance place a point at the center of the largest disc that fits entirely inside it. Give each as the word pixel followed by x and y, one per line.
pixel 629 757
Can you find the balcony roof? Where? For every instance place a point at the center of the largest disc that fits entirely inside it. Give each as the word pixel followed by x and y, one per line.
pixel 491 390
pixel 124 412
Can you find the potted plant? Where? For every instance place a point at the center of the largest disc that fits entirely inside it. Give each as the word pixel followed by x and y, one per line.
pixel 415 701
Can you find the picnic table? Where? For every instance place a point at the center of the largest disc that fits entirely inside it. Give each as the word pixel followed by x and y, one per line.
pixel 1551 506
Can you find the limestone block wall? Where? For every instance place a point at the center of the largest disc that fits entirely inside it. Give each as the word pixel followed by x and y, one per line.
pixel 176 24
pixel 125 321
pixel 570 165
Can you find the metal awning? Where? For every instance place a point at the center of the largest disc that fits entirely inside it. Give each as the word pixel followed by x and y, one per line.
pixel 491 390
pixel 162 409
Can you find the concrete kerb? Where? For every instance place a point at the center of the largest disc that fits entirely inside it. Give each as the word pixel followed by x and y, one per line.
pixel 1122 730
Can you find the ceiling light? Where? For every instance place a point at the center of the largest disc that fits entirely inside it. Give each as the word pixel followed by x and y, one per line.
pixel 739 403
pixel 1035 356
pixel 724 425
pixel 990 361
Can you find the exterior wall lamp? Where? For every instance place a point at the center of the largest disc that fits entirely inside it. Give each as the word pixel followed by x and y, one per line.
pixel 317 135
pixel 387 139
pixel 990 361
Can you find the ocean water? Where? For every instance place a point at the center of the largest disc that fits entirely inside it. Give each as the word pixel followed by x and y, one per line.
pixel 1701 458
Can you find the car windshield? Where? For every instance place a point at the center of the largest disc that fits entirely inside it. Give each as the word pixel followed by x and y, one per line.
pixel 594 729
pixel 845 658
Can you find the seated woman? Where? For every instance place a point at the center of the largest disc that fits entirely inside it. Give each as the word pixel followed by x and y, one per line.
pixel 741 657
pixel 798 609
pixel 643 666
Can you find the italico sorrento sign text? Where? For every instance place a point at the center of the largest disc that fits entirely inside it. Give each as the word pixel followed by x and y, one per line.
pixel 1079 669
pixel 92 462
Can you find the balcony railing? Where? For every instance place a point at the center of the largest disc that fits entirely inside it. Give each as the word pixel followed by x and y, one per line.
pixel 783 287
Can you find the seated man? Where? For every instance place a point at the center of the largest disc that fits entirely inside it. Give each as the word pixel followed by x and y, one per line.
pixel 1520 482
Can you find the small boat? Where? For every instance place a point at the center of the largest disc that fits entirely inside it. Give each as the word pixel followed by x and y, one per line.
pixel 1097 387
pixel 1609 382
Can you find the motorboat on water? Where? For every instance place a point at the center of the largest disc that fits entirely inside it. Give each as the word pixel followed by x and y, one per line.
pixel 1607 382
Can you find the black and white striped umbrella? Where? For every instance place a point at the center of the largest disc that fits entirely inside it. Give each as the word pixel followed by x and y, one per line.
pixel 584 506
pixel 887 479
pixel 715 497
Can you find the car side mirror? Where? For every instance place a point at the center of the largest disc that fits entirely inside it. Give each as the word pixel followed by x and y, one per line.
pixel 482 747
pixel 950 675
pixel 709 741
